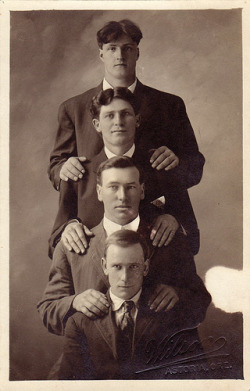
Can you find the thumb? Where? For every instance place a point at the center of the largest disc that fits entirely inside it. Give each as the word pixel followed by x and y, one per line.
pixel 87 231
pixel 82 158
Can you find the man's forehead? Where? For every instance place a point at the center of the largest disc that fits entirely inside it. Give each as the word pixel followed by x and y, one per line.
pixel 117 104
pixel 135 251
pixel 122 40
pixel 121 175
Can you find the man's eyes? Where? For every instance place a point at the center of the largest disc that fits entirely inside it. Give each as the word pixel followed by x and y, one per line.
pixel 125 49
pixel 134 267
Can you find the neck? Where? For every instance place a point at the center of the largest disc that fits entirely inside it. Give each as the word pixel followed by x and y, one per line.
pixel 121 221
pixel 120 82
pixel 119 150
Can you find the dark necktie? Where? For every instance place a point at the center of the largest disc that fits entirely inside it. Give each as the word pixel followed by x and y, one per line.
pixel 125 332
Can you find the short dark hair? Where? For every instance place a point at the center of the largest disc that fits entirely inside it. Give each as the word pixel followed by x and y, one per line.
pixel 113 30
pixel 117 162
pixel 105 97
pixel 126 238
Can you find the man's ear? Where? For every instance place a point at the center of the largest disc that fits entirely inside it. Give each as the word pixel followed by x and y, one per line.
pixel 138 53
pixel 104 266
pixel 96 124
pixel 138 120
pixel 101 54
pixel 146 267
pixel 99 192
pixel 142 191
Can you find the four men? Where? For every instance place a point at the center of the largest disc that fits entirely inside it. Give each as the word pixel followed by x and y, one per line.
pixel 152 128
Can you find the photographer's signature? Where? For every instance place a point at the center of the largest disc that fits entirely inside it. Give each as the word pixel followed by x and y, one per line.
pixel 181 348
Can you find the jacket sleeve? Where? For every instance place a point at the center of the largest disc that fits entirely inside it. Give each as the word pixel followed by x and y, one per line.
pixel 174 130
pixel 56 304
pixel 191 161
pixel 65 145
pixel 174 265
pixel 75 363
pixel 67 210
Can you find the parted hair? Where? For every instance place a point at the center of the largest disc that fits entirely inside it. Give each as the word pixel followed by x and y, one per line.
pixel 104 98
pixel 114 30
pixel 125 238
pixel 118 162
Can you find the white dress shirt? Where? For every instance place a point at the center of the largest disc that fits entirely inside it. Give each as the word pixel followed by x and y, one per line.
pixel 106 85
pixel 111 227
pixel 116 306
pixel 110 154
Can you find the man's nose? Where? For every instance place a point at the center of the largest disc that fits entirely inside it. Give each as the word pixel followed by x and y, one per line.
pixel 124 275
pixel 120 53
pixel 118 119
pixel 121 193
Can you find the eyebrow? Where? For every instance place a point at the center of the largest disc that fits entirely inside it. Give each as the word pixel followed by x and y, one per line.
pixel 119 111
pixel 118 183
pixel 125 44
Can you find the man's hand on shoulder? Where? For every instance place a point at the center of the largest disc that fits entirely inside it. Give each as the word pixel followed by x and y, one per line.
pixel 164 158
pixel 164 229
pixel 92 303
pixel 164 298
pixel 72 169
pixel 74 237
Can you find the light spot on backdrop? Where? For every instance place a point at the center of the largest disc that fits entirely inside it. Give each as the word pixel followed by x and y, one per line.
pixel 228 288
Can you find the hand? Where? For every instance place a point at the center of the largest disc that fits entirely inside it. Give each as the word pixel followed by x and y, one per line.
pixel 164 158
pixel 163 230
pixel 164 297
pixel 72 169
pixel 74 237
pixel 92 303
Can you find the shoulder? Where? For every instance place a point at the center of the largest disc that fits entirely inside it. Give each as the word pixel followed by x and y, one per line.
pixel 153 92
pixel 81 99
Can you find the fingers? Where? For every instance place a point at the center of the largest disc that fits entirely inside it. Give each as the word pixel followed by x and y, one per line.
pixel 174 164
pixel 163 230
pixel 74 238
pixel 161 236
pixel 172 303
pixel 72 169
pixel 164 158
pixel 92 303
pixel 164 297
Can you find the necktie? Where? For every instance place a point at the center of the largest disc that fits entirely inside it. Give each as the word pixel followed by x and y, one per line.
pixel 125 332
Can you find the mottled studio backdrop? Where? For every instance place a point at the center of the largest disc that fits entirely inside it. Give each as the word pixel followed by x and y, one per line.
pixel 54 55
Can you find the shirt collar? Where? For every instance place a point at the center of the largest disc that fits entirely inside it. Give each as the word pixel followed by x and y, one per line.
pixel 110 154
pixel 111 227
pixel 116 302
pixel 106 85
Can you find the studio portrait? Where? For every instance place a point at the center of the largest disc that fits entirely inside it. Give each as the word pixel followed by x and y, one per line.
pixel 126 200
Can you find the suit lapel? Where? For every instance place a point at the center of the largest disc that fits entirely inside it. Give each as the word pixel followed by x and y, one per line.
pixel 108 329
pixel 98 252
pixel 145 317
pixel 101 157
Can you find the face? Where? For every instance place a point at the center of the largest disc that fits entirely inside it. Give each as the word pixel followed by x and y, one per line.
pixel 121 193
pixel 119 58
pixel 125 268
pixel 117 122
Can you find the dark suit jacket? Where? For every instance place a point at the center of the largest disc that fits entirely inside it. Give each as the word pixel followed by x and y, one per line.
pixel 90 346
pixel 164 121
pixel 71 274
pixel 80 200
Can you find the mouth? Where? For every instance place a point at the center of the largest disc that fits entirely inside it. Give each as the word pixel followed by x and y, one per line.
pixel 119 131
pixel 120 65
pixel 122 207
pixel 124 287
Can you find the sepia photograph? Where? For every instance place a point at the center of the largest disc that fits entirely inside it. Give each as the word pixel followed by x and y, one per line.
pixel 125 195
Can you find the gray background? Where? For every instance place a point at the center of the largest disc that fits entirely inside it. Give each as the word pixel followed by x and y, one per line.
pixel 54 55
